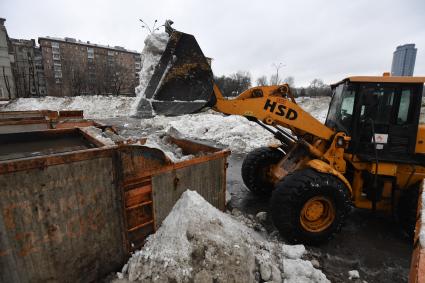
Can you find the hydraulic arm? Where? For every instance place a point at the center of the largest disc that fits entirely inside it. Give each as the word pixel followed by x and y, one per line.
pixel 274 106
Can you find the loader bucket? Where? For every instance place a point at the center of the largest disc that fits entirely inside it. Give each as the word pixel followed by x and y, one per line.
pixel 182 82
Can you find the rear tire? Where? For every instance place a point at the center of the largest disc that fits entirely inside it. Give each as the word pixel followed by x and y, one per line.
pixel 310 207
pixel 407 210
pixel 255 168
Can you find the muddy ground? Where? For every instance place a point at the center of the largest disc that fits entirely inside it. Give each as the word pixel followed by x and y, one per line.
pixel 370 243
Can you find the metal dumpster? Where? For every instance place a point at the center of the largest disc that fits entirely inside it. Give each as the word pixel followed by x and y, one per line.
pixel 74 214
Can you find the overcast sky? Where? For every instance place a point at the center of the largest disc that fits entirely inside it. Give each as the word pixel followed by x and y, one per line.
pixel 327 39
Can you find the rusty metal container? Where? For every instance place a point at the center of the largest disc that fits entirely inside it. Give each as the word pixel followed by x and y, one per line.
pixel 74 212
pixel 25 121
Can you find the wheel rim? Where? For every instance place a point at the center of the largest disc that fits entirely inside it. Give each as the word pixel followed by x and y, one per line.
pixel 317 214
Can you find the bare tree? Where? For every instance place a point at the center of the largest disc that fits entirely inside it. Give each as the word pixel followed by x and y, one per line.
pixel 234 84
pixel 78 80
pixel 262 81
pixel 302 92
pixel 290 81
pixel 120 76
pixel 112 78
pixel 274 79
pixel 76 73
pixel 318 88
pixel 32 77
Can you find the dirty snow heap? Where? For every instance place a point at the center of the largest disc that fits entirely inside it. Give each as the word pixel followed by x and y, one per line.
pixel 155 44
pixel 198 243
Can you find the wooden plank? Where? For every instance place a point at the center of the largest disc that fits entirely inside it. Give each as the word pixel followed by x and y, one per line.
pixel 137 196
pixel 139 215
pixel 144 224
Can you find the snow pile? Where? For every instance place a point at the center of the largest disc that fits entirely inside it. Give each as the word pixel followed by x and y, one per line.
pixel 109 106
pixel 198 243
pixel 94 106
pixel 315 106
pixel 171 150
pixel 107 138
pixel 155 44
pixel 235 132
pixel 422 232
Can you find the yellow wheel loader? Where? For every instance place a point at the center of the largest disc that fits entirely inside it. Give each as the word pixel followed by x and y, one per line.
pixel 369 153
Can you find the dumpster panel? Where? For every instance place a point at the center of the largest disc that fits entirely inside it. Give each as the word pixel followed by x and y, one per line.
pixel 207 178
pixel 60 223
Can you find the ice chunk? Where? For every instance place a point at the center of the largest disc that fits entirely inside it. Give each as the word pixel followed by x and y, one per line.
pixel 155 44
pixel 353 274
pixel 293 252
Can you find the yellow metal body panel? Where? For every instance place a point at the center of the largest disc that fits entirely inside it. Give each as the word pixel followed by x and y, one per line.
pixel 384 168
pixel 335 154
pixel 404 174
pixel 383 79
pixel 408 174
pixel 420 139
pixel 273 107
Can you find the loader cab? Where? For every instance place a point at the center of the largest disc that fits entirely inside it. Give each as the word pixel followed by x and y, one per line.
pixel 380 114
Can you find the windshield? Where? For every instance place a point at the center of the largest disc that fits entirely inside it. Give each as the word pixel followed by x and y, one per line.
pixel 341 108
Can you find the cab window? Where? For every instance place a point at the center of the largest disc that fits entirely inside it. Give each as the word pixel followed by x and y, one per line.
pixel 340 115
pixel 377 103
pixel 347 106
pixel 403 110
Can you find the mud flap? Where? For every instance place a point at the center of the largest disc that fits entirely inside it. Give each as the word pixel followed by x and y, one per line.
pixel 182 82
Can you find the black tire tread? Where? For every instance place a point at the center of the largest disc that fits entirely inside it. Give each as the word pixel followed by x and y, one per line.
pixel 252 165
pixel 294 190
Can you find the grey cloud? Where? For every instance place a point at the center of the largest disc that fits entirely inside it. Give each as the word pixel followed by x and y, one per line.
pixel 313 38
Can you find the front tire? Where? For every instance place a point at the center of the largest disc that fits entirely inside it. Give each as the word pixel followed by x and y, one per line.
pixel 256 168
pixel 309 207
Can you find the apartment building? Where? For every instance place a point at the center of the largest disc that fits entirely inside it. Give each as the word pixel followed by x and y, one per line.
pixel 72 67
pixel 27 68
pixel 7 81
